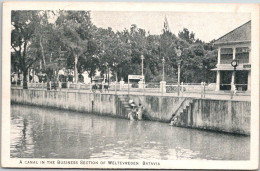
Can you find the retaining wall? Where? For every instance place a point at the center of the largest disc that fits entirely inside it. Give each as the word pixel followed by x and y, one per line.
pixel 103 104
pixel 218 115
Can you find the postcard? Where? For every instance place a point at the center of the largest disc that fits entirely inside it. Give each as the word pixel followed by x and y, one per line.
pixel 130 85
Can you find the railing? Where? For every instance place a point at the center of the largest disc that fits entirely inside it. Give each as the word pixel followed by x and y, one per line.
pixel 241 60
pixel 37 85
pixel 239 87
pixel 199 90
pixel 152 85
pixel 225 61
pixel 204 90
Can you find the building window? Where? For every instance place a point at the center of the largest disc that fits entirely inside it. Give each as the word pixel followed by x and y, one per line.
pixel 225 80
pixel 226 55
pixel 242 54
pixel 241 80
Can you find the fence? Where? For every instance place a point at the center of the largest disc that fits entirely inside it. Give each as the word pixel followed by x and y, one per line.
pixel 199 90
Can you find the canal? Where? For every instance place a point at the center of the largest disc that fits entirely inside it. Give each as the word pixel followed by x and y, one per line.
pixel 51 133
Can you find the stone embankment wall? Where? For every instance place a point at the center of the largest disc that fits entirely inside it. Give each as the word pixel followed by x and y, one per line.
pixel 103 104
pixel 218 115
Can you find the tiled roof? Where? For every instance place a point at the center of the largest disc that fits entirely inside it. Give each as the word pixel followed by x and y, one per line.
pixel 240 34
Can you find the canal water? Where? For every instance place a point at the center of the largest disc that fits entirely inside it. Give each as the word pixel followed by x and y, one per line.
pixel 50 133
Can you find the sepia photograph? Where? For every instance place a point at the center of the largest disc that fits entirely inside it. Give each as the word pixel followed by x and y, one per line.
pixel 130 85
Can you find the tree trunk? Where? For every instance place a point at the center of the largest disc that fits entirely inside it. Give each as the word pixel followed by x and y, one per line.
pixel 108 77
pixel 25 86
pixel 44 60
pixel 43 55
pixel 204 73
pixel 23 66
pixel 57 75
pixel 116 77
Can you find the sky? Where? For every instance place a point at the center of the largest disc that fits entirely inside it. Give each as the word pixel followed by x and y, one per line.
pixel 206 26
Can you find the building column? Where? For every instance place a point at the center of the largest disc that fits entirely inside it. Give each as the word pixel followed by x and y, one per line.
pixel 163 86
pixel 218 81
pixel 141 84
pixel 219 50
pixel 121 83
pixel 234 52
pixel 233 86
pixel 249 72
pixel 249 60
pixel 249 81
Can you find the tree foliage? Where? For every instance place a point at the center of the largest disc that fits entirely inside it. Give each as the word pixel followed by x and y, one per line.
pixel 73 42
pixel 24 24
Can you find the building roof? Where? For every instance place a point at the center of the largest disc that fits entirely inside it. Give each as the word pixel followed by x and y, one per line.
pixel 240 34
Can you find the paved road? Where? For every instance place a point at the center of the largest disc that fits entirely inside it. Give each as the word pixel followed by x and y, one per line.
pixel 209 95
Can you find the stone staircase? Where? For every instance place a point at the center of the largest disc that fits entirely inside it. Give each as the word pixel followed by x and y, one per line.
pixel 124 107
pixel 125 103
pixel 180 117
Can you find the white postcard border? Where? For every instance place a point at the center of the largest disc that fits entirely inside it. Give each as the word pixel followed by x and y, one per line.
pixel 130 6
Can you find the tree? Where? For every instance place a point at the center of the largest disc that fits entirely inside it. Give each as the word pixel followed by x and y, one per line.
pixel 48 45
pixel 197 63
pixel 168 44
pixel 115 52
pixel 24 24
pixel 74 30
pixel 89 60
pixel 186 35
pixel 74 43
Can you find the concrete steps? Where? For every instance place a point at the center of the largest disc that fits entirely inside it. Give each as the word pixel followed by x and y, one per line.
pixel 124 100
pixel 181 111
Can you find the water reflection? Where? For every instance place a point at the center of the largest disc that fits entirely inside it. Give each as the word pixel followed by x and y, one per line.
pixel 48 133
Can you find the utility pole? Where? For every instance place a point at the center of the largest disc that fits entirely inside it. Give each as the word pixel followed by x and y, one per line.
pixel 178 51
pixel 76 69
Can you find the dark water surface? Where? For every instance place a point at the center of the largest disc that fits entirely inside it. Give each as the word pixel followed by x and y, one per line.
pixel 49 133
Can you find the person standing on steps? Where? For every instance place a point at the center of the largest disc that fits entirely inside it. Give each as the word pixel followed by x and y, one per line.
pixel 130 102
pixel 140 112
pixel 173 121
pixel 132 113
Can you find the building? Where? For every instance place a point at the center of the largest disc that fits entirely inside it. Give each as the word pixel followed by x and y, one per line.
pixel 234 45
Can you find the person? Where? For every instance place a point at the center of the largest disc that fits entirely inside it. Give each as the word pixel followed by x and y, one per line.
pixel 134 109
pixel 140 112
pixel 173 120
pixel 131 114
pixel 94 87
pixel 130 102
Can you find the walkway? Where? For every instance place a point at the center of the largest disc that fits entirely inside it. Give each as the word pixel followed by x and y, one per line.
pixel 220 95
